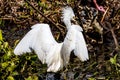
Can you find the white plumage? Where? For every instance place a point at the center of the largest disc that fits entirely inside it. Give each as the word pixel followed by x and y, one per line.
pixel 41 40
pixel 54 54
pixel 74 40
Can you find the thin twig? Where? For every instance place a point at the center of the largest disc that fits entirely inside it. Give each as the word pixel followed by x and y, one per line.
pixel 46 17
pixel 15 21
pixel 7 18
pixel 104 14
pixel 114 37
pixel 117 48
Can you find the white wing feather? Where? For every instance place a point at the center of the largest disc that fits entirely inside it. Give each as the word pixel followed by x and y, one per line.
pixel 40 39
pixel 80 47
pixel 74 41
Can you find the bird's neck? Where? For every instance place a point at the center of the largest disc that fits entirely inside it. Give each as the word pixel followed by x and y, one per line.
pixel 67 23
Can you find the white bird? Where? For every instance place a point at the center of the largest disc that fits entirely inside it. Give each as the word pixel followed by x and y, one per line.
pixel 74 39
pixel 54 54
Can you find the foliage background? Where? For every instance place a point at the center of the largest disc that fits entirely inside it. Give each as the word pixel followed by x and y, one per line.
pixel 102 37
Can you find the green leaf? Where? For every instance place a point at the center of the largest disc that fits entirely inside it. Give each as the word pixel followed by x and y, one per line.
pixel 2 22
pixel 4 65
pixel 113 60
pixel 7 55
pixel 91 79
pixel 11 66
pixel 29 78
pixel 5 44
pixel 41 4
pixel 1 38
pixel 32 78
pixel 15 73
pixel 10 78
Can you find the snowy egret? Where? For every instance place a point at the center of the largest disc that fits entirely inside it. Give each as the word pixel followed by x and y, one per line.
pixel 74 39
pixel 54 54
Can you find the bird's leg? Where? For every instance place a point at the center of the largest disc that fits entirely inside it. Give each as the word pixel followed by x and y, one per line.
pixel 53 76
pixel 50 76
pixel 100 8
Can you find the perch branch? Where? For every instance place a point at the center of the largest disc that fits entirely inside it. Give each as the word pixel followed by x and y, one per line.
pixel 117 48
pixel 114 37
pixel 15 20
pixel 46 17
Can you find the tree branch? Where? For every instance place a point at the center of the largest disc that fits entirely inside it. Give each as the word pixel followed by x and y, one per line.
pixel 61 30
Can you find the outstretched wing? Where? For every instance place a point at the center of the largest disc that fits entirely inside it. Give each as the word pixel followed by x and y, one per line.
pixel 40 39
pixel 80 49
pixel 74 40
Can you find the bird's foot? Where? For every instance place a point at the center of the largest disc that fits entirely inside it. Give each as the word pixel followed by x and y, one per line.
pixel 53 76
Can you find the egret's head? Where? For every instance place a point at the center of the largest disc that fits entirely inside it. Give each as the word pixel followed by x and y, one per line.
pixel 68 13
pixel 67 16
